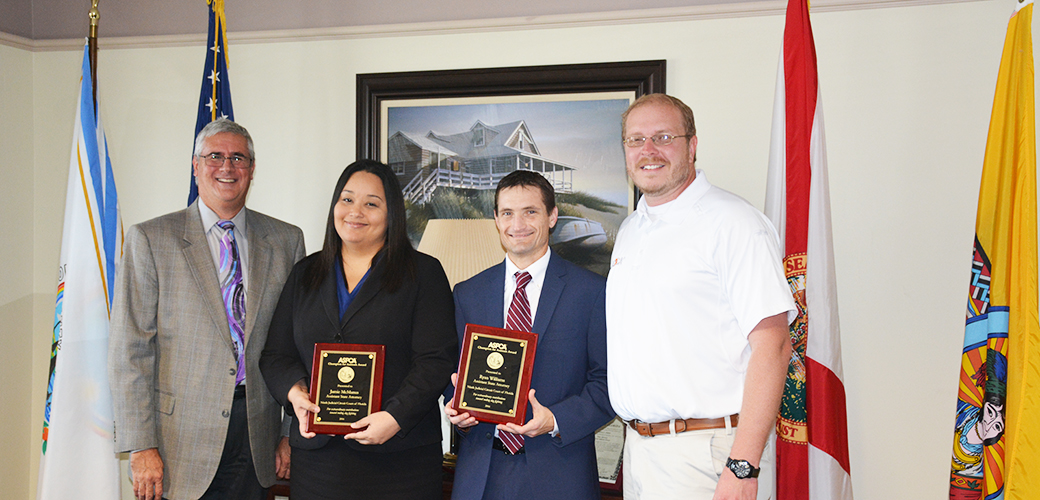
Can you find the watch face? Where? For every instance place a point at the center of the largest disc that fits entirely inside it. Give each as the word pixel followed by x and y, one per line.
pixel 740 468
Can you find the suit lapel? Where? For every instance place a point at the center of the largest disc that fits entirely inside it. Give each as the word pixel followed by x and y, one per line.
pixel 260 255
pixel 330 298
pixel 552 288
pixel 373 284
pixel 200 262
pixel 495 308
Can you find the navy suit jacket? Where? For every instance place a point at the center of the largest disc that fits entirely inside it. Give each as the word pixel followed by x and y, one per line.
pixel 570 378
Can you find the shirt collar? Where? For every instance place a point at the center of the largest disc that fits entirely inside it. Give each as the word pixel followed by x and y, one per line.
pixel 210 219
pixel 677 210
pixel 536 269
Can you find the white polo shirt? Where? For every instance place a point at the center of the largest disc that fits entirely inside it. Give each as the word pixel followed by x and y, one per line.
pixel 688 281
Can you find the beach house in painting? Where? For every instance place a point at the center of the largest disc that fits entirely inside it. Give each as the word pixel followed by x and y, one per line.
pixel 475 159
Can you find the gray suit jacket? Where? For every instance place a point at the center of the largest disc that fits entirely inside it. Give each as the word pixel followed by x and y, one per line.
pixel 171 360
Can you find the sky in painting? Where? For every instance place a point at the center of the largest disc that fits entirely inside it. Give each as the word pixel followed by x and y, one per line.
pixel 584 134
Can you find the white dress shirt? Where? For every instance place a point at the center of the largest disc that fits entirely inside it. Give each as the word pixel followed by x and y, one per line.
pixel 533 289
pixel 534 292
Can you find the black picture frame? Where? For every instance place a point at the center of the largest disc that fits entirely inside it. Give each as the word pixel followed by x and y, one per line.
pixel 641 77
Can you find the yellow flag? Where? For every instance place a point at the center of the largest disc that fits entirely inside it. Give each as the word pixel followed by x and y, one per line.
pixel 996 447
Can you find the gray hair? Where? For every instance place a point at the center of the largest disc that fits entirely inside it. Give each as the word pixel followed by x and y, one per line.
pixel 220 126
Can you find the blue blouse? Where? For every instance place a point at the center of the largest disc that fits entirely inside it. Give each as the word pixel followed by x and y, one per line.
pixel 345 297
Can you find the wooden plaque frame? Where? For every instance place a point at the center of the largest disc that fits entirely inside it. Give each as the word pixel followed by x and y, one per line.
pixel 376 355
pixel 474 381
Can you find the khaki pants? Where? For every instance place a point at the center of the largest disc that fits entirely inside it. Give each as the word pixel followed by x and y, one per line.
pixel 686 466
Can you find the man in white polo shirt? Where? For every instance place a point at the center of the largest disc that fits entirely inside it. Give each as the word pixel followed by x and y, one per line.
pixel 698 310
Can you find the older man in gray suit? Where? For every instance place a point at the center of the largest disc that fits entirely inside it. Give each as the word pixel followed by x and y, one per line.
pixel 195 293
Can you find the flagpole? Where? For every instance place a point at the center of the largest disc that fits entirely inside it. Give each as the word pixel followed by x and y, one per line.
pixel 77 447
pixel 92 45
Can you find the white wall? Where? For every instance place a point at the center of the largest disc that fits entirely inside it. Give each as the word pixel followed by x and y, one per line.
pixel 16 265
pixel 906 94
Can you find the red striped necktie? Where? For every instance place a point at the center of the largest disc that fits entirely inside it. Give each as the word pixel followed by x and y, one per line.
pixel 519 319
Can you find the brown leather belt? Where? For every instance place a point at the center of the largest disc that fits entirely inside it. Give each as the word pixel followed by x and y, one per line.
pixel 689 424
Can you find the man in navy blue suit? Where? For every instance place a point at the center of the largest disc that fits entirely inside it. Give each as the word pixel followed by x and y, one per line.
pixel 568 397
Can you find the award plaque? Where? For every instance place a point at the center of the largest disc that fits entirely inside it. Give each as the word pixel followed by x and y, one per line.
pixel 346 384
pixel 495 374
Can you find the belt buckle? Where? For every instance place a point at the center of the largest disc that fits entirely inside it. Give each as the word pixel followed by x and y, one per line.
pixel 635 423
pixel 649 426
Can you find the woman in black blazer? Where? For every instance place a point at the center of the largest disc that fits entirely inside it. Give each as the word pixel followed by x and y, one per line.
pixel 366 286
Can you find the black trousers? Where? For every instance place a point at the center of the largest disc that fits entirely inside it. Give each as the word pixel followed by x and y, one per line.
pixel 337 471
pixel 236 476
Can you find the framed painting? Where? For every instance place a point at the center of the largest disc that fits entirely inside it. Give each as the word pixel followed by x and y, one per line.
pixel 452 135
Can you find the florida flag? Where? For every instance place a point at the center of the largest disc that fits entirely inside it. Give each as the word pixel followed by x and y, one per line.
pixel 812 452
pixel 78 458
pixel 995 448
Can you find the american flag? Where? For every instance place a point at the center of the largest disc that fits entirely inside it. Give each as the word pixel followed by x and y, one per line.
pixel 215 98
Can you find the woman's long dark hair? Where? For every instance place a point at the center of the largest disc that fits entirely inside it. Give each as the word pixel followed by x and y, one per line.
pixel 397 250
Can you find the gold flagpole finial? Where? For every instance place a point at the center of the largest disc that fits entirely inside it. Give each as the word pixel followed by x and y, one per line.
pixel 94 15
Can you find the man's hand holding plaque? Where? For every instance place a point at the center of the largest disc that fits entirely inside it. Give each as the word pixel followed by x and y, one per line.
pixel 494 374
pixel 346 385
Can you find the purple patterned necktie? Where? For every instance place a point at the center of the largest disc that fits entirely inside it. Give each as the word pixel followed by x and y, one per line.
pixel 519 319
pixel 233 293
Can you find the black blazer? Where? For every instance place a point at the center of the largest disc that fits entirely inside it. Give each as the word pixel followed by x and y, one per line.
pixel 416 323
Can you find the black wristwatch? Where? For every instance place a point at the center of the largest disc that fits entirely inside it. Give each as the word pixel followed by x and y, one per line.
pixel 742 468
